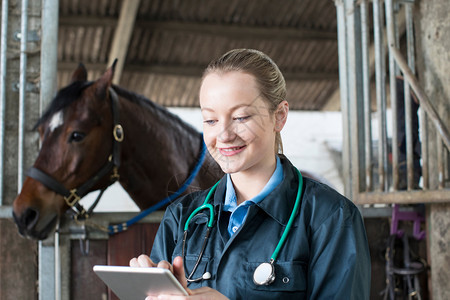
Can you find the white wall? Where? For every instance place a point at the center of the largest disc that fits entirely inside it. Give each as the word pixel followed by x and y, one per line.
pixel 307 138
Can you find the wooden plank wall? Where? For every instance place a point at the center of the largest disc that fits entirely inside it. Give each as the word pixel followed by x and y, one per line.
pixel 18 256
pixel 118 250
pixel 18 264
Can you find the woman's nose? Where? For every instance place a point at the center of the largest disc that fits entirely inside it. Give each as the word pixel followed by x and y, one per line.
pixel 227 133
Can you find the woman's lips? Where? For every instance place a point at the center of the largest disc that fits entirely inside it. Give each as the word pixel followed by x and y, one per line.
pixel 230 151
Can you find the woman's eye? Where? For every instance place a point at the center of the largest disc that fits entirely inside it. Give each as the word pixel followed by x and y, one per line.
pixel 242 119
pixel 76 136
pixel 209 122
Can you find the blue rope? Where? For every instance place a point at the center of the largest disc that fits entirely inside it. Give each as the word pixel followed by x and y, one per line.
pixel 113 229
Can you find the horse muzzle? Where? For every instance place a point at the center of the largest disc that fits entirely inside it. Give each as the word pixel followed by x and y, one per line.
pixel 30 224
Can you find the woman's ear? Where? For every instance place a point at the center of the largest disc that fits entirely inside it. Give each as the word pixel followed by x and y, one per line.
pixel 281 115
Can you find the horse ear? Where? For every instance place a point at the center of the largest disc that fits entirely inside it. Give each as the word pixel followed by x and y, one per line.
pixel 104 82
pixel 80 74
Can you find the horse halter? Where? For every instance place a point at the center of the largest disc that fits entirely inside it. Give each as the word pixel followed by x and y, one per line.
pixel 73 196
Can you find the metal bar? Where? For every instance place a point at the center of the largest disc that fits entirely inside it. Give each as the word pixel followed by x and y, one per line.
pixel 409 137
pixel 49 56
pixel 77 230
pixel 22 92
pixel 51 285
pixel 331 103
pixel 343 82
pixel 446 166
pixel 380 93
pixel 366 94
pixel 404 197
pixel 440 162
pixel 423 129
pixel 57 269
pixel 440 153
pixel 46 274
pixel 397 34
pixel 352 64
pixel 408 103
pixel 3 61
pixel 393 92
pixel 383 120
pixel 425 103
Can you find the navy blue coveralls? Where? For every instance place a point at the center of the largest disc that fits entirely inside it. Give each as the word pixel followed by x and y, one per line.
pixel 325 256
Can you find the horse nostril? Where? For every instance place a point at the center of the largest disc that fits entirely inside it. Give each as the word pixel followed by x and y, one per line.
pixel 30 217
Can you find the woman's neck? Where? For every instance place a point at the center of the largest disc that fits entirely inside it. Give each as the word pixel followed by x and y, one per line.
pixel 249 183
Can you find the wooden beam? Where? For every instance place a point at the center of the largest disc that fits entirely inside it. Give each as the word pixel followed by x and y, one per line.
pixel 193 71
pixel 227 30
pixel 404 197
pixel 88 21
pixel 242 32
pixel 122 36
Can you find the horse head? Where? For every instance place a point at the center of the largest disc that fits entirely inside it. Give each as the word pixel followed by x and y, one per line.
pixel 75 131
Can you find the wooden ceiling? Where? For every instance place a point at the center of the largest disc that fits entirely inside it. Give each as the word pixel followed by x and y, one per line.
pixel 164 45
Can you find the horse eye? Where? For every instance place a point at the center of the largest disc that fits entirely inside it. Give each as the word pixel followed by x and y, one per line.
pixel 76 136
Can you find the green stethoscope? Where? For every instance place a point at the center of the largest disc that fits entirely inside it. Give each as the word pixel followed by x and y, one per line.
pixel 265 273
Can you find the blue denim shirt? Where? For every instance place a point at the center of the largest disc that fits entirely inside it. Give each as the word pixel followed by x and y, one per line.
pixel 239 212
pixel 325 256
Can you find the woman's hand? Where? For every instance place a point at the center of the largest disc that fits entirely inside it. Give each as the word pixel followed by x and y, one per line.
pixel 143 261
pixel 178 271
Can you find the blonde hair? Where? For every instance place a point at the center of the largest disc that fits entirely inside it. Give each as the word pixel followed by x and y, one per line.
pixel 268 77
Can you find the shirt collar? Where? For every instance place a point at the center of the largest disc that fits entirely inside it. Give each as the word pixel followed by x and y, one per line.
pixel 230 202
pixel 279 203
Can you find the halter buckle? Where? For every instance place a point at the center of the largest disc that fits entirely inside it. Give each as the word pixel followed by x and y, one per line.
pixel 81 216
pixel 73 198
pixel 118 133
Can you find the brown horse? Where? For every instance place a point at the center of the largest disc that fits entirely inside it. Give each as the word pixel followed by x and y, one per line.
pixel 94 133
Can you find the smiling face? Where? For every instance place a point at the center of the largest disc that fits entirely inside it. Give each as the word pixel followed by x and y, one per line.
pixel 238 127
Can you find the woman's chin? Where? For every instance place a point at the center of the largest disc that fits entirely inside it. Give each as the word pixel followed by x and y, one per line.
pixel 229 167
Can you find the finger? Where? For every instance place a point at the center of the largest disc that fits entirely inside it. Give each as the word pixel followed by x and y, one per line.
pixel 134 262
pixel 145 261
pixel 178 271
pixel 165 265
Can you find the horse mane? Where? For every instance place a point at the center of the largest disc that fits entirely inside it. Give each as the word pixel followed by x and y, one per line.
pixel 72 92
pixel 157 109
pixel 63 99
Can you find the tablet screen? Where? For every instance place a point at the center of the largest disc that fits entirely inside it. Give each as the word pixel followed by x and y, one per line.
pixel 138 283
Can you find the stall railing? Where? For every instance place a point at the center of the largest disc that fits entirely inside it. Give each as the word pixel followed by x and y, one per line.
pixel 369 34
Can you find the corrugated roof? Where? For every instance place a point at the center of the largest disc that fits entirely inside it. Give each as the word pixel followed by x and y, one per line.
pixel 172 42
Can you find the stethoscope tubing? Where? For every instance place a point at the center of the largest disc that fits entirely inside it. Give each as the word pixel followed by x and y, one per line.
pixel 291 218
pixel 205 239
pixel 210 207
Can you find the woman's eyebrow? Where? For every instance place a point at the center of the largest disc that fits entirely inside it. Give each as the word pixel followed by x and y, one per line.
pixel 231 108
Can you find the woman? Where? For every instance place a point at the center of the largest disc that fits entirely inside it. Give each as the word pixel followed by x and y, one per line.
pixel 324 254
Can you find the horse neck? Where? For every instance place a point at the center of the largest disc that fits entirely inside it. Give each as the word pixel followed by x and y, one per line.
pixel 158 152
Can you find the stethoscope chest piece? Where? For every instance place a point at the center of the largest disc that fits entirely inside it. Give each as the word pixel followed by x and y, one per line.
pixel 264 274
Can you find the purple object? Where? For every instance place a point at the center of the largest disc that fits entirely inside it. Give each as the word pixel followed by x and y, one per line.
pixel 414 216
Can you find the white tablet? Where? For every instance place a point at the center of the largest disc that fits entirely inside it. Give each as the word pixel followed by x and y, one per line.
pixel 130 283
